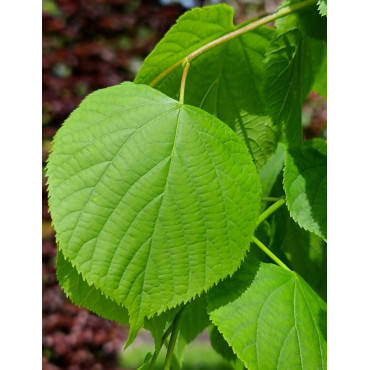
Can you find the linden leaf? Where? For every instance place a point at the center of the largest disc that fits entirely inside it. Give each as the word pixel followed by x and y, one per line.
pixel 270 317
pixel 153 201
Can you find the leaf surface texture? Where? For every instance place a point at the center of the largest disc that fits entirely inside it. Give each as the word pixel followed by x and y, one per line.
pixel 271 318
pixel 153 202
pixel 224 81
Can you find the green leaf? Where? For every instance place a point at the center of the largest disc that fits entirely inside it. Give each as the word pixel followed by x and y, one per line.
pixel 83 294
pixel 323 7
pixel 308 19
pixel 301 250
pixel 152 201
pixel 192 30
pixel 224 81
pixel 292 63
pixel 220 345
pixel 305 184
pixel 271 318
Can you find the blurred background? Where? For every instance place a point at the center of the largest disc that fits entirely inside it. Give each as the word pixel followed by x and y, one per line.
pixel 88 45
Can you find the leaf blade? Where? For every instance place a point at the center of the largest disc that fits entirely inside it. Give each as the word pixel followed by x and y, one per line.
pixel 305 185
pixel 272 319
pixel 153 202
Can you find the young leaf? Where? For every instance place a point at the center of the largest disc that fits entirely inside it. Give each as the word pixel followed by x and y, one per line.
pixel 225 81
pixel 152 201
pixel 271 318
pixel 83 294
pixel 305 184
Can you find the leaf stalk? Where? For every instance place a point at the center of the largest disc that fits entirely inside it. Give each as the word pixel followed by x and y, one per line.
pixel 156 352
pixel 269 253
pixel 270 210
pixel 171 345
pixel 186 65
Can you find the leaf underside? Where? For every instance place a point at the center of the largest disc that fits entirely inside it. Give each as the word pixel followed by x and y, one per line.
pixel 85 295
pixel 271 318
pixel 153 202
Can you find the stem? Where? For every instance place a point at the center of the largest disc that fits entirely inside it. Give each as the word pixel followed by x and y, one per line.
pixel 171 345
pixel 156 353
pixel 269 253
pixel 271 199
pixel 249 27
pixel 270 210
pixel 186 66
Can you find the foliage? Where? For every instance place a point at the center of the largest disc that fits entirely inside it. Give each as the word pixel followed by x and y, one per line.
pixel 157 189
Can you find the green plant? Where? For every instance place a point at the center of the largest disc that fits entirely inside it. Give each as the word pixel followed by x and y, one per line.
pixel 155 202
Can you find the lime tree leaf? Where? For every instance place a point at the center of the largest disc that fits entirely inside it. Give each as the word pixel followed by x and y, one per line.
pixel 305 184
pixel 85 295
pixel 152 201
pixel 220 345
pixel 225 81
pixel 271 318
pixel 291 65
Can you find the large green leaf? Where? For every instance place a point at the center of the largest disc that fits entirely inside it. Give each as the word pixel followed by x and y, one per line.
pixel 83 294
pixel 292 63
pixel 305 184
pixel 225 81
pixel 152 201
pixel 271 318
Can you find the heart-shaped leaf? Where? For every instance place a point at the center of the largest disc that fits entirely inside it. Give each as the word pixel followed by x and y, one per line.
pixel 153 201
